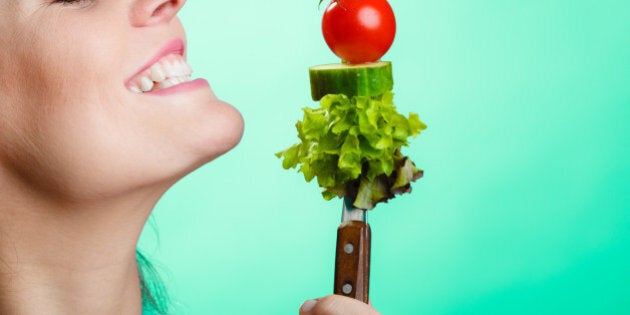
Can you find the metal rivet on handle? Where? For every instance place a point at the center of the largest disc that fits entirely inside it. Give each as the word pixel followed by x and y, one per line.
pixel 347 288
pixel 349 248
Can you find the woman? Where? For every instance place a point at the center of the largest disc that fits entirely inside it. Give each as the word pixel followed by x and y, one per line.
pixel 98 118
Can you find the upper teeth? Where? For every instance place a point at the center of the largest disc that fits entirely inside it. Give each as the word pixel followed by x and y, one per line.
pixel 168 71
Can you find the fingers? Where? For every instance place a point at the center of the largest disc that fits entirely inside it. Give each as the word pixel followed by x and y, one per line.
pixel 336 305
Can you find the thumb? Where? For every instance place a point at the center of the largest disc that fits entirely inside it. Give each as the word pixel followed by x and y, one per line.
pixel 336 305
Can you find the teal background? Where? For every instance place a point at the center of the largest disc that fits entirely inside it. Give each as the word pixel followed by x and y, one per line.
pixel 524 207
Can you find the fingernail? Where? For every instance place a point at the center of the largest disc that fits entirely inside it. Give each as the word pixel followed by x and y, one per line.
pixel 308 306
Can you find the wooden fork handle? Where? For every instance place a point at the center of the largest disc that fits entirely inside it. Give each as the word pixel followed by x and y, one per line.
pixel 352 261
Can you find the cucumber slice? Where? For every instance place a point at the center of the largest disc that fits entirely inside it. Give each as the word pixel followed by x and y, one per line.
pixel 368 79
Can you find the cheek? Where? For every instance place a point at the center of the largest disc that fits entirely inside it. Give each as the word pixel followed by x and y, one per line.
pixel 57 130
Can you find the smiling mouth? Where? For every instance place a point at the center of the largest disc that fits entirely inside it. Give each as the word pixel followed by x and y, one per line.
pixel 168 71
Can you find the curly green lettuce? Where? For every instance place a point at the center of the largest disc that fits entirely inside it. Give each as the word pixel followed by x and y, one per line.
pixel 352 146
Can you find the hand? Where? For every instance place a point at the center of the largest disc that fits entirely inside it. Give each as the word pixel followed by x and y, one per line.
pixel 337 305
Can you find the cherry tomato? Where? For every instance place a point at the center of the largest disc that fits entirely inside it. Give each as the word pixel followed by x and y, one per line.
pixel 359 31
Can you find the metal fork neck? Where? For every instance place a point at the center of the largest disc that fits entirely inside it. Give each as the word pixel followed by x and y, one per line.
pixel 350 213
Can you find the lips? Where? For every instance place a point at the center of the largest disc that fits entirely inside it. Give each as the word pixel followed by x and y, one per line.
pixel 166 69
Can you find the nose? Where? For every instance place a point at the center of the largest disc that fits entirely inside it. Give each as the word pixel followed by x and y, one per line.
pixel 152 12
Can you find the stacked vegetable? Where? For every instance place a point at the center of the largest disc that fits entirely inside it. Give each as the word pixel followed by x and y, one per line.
pixel 352 142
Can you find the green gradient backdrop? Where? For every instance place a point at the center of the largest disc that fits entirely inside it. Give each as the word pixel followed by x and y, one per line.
pixel 524 207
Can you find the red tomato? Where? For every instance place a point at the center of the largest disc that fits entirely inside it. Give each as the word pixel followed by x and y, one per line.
pixel 359 31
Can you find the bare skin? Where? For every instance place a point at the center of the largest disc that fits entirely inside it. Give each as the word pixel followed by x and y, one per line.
pixel 84 159
pixel 73 258
pixel 336 305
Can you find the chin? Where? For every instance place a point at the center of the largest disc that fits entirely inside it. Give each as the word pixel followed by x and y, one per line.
pixel 213 134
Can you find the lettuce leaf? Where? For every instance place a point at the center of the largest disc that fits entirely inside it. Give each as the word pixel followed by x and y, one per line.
pixel 352 146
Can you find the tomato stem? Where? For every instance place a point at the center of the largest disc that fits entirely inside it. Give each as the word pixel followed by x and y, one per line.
pixel 320 3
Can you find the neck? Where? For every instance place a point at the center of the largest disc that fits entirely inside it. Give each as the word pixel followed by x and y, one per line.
pixel 71 257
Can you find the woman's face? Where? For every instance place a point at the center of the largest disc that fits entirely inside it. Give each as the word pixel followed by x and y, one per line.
pixel 74 121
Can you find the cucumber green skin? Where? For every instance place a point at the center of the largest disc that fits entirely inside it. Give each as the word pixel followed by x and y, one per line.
pixel 364 80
